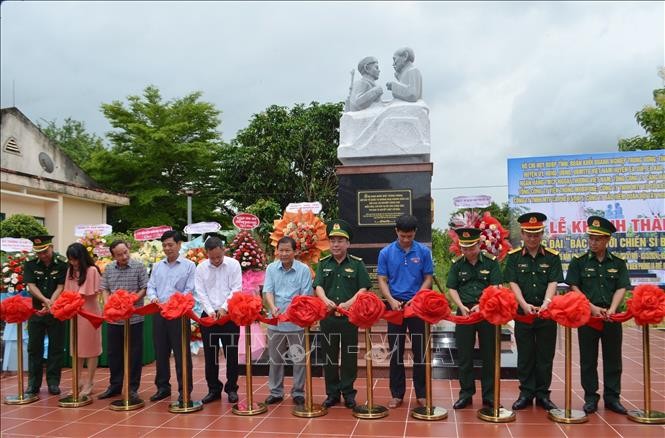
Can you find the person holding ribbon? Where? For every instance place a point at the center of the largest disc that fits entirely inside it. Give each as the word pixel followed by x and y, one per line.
pixel 285 279
pixel 217 278
pixel 469 275
pixel 405 267
pixel 603 278
pixel 45 274
pixel 172 274
pixel 124 273
pixel 339 278
pixel 533 272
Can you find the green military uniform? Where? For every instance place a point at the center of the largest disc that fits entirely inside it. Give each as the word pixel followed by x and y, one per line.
pixel 599 280
pixel 340 281
pixel 47 279
pixel 470 281
pixel 536 342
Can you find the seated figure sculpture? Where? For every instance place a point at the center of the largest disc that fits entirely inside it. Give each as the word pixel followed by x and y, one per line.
pixel 386 132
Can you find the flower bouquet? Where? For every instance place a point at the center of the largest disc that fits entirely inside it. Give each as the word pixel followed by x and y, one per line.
pixel 197 255
pixel 493 237
pixel 12 274
pixel 247 251
pixel 309 232
pixel 150 253
pixel 91 240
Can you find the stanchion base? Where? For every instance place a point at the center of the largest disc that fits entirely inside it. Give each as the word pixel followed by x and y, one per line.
pixel 574 417
pixel 126 405
pixel 366 413
pixel 432 414
pixel 71 402
pixel 246 410
pixel 24 400
pixel 316 411
pixel 505 416
pixel 640 416
pixel 179 408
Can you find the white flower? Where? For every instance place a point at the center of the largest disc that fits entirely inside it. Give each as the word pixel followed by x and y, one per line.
pixel 5 269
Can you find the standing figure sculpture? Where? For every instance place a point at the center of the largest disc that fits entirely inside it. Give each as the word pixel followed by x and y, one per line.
pixel 409 85
pixel 365 92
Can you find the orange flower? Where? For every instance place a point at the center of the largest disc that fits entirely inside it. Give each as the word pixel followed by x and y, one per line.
pixel 307 230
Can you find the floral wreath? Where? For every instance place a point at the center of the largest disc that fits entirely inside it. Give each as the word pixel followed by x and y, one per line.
pixel 493 237
pixel 309 232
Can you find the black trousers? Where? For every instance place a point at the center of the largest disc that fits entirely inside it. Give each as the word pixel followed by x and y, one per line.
pixel 228 334
pixel 115 344
pixel 396 340
pixel 38 328
pixel 167 337
pixel 611 337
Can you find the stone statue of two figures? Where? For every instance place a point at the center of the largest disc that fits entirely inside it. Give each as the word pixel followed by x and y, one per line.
pixel 373 131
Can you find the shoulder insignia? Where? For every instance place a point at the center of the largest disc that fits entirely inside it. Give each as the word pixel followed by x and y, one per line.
pixel 488 255
pixel 360 259
pixel 326 257
pixel 31 257
pixel 514 250
pixel 551 250
pixel 458 258
pixel 61 258
pixel 579 256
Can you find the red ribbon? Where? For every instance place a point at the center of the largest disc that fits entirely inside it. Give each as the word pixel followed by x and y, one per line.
pixel 16 309
pixel 498 305
pixel 69 304
pixel 120 305
pixel 647 304
pixel 304 311
pixel 428 305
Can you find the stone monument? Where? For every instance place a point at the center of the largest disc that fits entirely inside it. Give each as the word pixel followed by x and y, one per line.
pixel 394 131
pixel 385 151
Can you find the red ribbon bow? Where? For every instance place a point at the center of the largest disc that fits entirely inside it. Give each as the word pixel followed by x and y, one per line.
pixel 570 310
pixel 16 309
pixel 428 305
pixel 304 311
pixel 244 309
pixel 177 306
pixel 647 304
pixel 120 305
pixel 497 305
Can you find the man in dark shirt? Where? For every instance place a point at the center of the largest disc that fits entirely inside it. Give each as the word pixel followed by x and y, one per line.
pixel 603 278
pixel 45 275
pixel 533 272
pixel 469 275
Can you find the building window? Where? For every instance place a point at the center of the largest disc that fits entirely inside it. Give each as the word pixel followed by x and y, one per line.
pixel 2 216
pixel 39 219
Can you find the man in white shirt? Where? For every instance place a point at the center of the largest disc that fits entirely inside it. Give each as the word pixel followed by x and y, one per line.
pixel 216 280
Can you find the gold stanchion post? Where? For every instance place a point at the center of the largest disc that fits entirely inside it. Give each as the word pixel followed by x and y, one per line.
pixel 249 408
pixel 23 398
pixel 428 412
pixel 74 400
pixel 369 411
pixel 187 405
pixel 127 403
pixel 497 414
pixel 646 416
pixel 309 409
pixel 568 415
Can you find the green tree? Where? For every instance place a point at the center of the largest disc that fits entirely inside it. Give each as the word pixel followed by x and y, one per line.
pixel 21 225
pixel 286 155
pixel 158 149
pixel 73 139
pixel 652 120
pixel 267 211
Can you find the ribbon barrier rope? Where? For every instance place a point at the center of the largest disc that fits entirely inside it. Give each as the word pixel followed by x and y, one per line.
pixel 17 310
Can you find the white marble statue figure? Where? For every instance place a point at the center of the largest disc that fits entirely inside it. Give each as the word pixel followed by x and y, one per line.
pixel 395 131
pixel 365 92
pixel 409 85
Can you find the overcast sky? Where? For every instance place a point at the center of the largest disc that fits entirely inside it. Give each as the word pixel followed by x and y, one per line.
pixel 502 80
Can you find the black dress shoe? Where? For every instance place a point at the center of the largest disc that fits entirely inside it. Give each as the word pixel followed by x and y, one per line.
pixel 462 403
pixel 160 395
pixel 233 397
pixel 490 404
pixel 32 390
pixel 272 399
pixel 108 394
pixel 350 401
pixel 53 389
pixel 299 400
pixel 590 407
pixel 521 403
pixel 546 404
pixel 211 397
pixel 330 402
pixel 616 406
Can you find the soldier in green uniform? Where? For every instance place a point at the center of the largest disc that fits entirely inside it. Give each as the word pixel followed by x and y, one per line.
pixel 339 278
pixel 469 275
pixel 45 277
pixel 533 272
pixel 603 278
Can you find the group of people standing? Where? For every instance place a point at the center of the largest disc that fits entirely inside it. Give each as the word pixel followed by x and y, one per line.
pixel 404 267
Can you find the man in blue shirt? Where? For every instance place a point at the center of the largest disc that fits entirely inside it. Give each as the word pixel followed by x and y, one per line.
pixel 285 279
pixel 170 275
pixel 405 267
